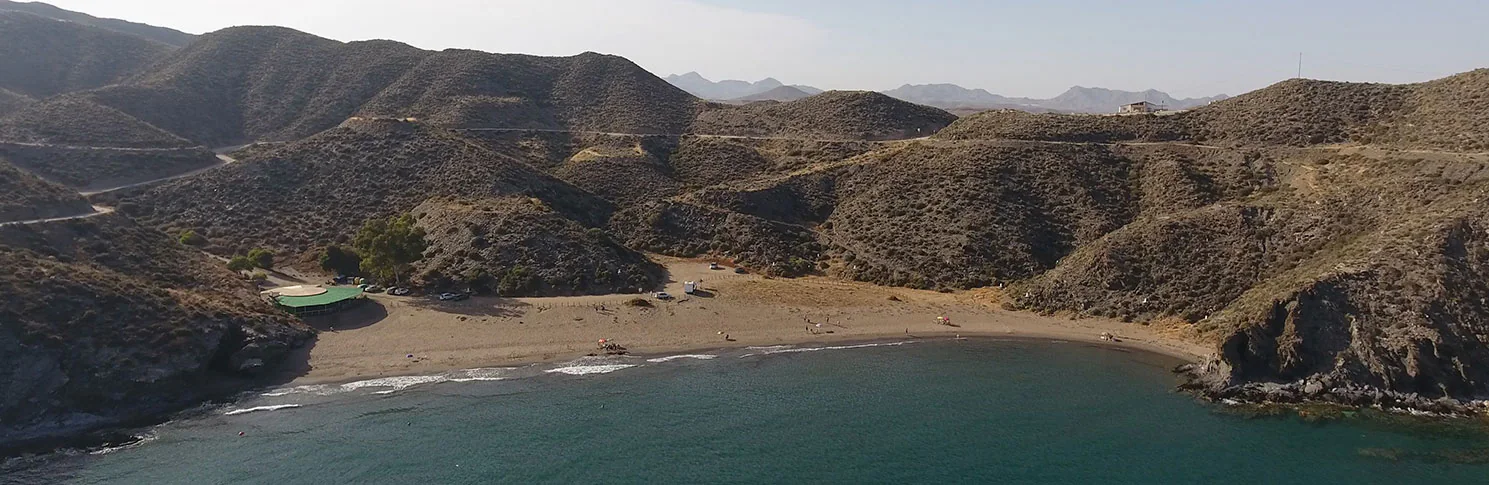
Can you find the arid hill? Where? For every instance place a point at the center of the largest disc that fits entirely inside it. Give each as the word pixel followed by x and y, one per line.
pixel 782 93
pixel 162 35
pixel 11 101
pixel 517 246
pixel 298 196
pixel 23 196
pixel 268 83
pixel 259 83
pixel 40 57
pixel 1008 124
pixel 857 115
pixel 104 322
pixel 91 169
pixel 1442 114
pixel 73 120
pixel 628 170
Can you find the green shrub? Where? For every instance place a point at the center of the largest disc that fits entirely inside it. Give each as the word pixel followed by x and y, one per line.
pixel 240 264
pixel 259 276
pixel 191 238
pixel 261 258
pixel 518 281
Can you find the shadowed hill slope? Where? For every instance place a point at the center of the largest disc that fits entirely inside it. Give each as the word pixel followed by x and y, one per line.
pixel 270 83
pixel 25 197
pixel 517 246
pixel 297 196
pixel 162 35
pixel 247 83
pixel 91 169
pixel 11 101
pixel 105 322
pixel 74 120
pixel 40 57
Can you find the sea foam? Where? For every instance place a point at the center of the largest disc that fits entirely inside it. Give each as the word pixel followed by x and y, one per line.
pixel 389 385
pixel 275 407
pixel 835 347
pixel 579 370
pixel 685 356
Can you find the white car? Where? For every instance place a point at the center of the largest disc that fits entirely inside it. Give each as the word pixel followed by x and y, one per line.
pixel 449 296
pixel 662 295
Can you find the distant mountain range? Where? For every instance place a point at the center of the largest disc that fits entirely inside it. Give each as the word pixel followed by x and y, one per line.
pixel 729 90
pixel 951 97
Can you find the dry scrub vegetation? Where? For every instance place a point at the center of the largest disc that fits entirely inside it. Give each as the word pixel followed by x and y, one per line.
pixel 108 318
pixel 25 197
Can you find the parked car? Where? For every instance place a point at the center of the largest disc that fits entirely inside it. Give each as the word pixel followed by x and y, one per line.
pixel 713 266
pixel 373 289
pixel 399 291
pixel 449 296
pixel 662 295
pixel 740 271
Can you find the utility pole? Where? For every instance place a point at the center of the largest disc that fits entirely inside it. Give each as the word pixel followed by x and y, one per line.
pixel 1300 65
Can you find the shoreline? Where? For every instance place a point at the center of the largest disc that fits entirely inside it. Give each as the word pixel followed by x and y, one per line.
pixel 377 339
pixel 1176 356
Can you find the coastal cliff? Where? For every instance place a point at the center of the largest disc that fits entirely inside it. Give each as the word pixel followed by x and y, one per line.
pixel 105 323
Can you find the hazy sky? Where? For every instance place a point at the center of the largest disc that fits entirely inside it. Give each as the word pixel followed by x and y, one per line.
pixel 1016 48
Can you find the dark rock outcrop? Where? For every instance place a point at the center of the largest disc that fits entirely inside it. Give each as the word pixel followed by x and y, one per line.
pixel 106 323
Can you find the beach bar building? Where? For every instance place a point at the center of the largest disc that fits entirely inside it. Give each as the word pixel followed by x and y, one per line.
pixel 309 301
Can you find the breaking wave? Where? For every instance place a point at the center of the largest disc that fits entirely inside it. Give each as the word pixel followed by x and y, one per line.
pixel 255 409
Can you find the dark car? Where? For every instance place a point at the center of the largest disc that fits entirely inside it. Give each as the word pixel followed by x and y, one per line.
pixel 740 271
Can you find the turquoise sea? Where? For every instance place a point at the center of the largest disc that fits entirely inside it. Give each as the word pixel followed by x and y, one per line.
pixel 922 412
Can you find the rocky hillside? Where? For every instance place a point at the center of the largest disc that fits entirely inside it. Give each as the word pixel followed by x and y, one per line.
pixel 105 322
pixel 1443 114
pixel 629 170
pixel 74 120
pixel 860 115
pixel 11 101
pixel 1008 124
pixel 298 196
pixel 92 169
pixel 162 35
pixel 269 83
pixel 1351 275
pixel 42 56
pixel 25 197
pixel 518 246
pixel 1446 114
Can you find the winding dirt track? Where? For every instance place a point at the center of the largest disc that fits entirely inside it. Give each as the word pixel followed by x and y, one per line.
pixel 98 210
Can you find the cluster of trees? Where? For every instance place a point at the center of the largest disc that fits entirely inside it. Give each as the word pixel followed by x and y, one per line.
pixel 385 248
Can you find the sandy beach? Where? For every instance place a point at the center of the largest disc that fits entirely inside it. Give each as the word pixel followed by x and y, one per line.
pixel 733 310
